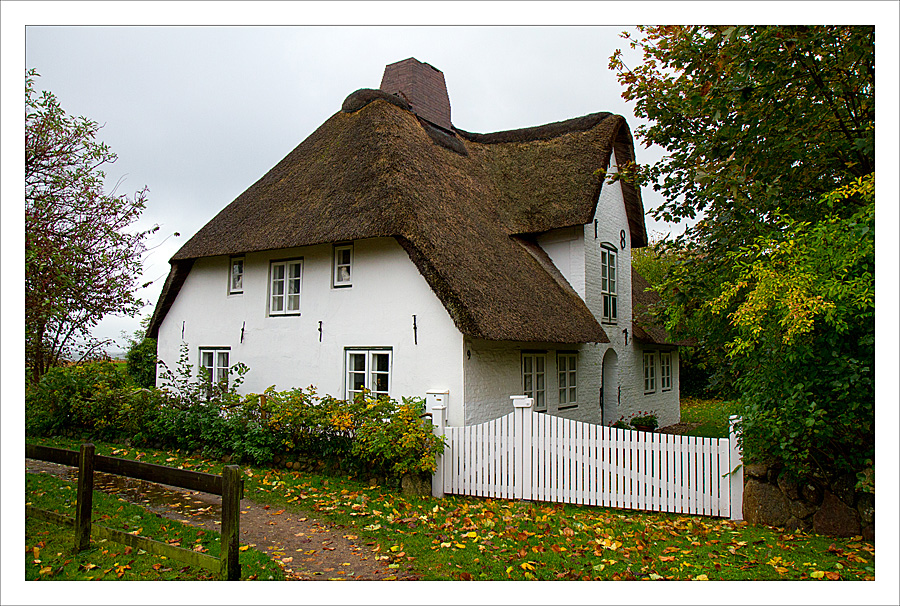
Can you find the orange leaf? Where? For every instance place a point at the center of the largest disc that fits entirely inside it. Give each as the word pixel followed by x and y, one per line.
pixel 833 576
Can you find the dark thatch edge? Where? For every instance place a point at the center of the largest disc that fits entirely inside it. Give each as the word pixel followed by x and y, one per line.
pixel 357 100
pixel 535 133
pixel 444 138
pixel 644 327
pixel 178 273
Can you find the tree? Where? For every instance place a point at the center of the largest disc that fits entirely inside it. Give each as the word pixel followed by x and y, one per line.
pixel 81 263
pixel 769 133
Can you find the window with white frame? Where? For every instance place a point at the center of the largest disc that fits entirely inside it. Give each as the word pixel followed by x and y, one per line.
pixel 236 276
pixel 665 371
pixel 343 263
pixel 608 283
pixel 284 288
pixel 534 378
pixel 649 372
pixel 215 361
pixel 368 369
pixel 567 367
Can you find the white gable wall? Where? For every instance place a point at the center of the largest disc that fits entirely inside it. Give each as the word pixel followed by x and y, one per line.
pixel 285 351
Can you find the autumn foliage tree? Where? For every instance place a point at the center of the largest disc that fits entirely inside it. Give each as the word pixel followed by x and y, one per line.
pixel 769 138
pixel 81 260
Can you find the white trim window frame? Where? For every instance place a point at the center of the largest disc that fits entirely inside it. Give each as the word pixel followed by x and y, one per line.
pixel 236 276
pixel 665 371
pixel 342 272
pixel 534 379
pixel 567 369
pixel 368 369
pixel 608 281
pixel 649 372
pixel 216 361
pixel 285 284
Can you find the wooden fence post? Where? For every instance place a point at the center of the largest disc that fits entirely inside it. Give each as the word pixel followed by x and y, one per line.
pixel 232 489
pixel 84 497
pixel 736 467
pixel 522 449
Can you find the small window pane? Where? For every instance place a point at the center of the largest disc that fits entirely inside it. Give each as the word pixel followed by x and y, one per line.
pixel 382 362
pixel 278 271
pixel 358 361
pixel 381 383
pixel 344 273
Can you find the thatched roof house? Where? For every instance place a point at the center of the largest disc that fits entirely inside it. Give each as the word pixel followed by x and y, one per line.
pixel 464 206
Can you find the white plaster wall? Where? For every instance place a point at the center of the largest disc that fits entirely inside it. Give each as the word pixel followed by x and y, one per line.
pixel 285 351
pixel 494 373
pixel 565 247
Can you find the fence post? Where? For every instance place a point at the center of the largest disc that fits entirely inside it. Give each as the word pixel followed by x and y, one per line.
pixel 522 449
pixel 436 404
pixel 736 467
pixel 232 491
pixel 84 498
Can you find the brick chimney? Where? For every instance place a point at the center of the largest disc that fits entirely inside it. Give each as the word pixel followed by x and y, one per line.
pixel 422 86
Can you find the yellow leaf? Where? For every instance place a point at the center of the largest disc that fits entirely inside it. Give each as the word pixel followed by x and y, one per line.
pixel 471 535
pixel 701 577
pixel 818 574
pixel 460 546
pixel 243 548
pixel 445 544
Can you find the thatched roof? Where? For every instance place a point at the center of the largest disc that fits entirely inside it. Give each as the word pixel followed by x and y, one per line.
pixel 644 328
pixel 452 199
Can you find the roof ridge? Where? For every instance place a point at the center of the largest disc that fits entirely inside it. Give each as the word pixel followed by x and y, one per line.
pixel 544 131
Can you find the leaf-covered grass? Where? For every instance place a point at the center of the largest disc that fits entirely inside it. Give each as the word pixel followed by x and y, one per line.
pixel 711 414
pixel 463 538
pixel 49 553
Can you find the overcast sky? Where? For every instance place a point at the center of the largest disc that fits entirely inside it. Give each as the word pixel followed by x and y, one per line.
pixel 199 113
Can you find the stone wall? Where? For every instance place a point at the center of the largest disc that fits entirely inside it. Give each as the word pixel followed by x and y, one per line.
pixel 834 508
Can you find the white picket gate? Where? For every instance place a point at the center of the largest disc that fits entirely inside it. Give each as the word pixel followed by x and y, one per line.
pixel 533 456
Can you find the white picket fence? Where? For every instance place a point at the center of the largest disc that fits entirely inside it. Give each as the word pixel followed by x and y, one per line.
pixel 533 456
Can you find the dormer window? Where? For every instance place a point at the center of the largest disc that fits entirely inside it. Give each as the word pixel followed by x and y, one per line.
pixel 608 256
pixel 343 264
pixel 236 276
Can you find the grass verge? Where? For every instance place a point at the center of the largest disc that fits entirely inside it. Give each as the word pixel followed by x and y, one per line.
pixel 464 538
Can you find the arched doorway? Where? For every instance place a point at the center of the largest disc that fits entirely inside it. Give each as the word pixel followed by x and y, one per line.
pixel 609 394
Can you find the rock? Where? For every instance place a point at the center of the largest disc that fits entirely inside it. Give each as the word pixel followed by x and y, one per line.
pixel 865 506
pixel 811 493
pixel 756 470
pixel 296 465
pixel 800 509
pixel 835 518
pixel 412 484
pixel 868 533
pixel 288 465
pixel 789 486
pixel 844 488
pixel 765 504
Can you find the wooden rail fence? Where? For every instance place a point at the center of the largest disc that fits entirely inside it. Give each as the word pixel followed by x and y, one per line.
pixel 229 485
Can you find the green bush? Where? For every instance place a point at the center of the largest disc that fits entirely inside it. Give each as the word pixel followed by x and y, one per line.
pixel 367 435
pixel 141 364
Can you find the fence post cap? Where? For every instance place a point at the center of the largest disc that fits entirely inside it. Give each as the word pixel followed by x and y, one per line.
pixel 522 402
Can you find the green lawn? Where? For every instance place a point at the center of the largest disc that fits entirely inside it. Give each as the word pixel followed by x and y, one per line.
pixel 711 414
pixel 463 538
